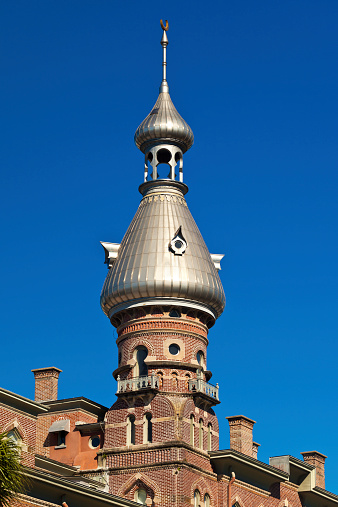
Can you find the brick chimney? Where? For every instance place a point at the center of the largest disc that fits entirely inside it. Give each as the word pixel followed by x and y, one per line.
pixel 46 383
pixel 255 446
pixel 241 435
pixel 316 459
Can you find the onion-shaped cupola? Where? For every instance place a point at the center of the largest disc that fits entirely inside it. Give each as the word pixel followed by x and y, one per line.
pixel 163 259
pixel 164 136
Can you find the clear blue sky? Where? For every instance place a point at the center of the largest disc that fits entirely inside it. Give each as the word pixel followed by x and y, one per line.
pixel 257 82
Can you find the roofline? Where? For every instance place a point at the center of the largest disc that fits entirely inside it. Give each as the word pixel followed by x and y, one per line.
pixel 252 461
pixel 326 494
pixel 78 402
pixel 88 428
pixel 233 417
pixel 296 462
pixel 316 494
pixel 47 368
pixel 70 486
pixel 305 453
pixel 58 464
pixel 30 406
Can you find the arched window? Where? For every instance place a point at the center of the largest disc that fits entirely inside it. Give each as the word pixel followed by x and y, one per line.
pixel 197 497
pixel 14 435
pixel 192 430
pixel 160 377
pixel 200 439
pixel 200 358
pixel 16 438
pixel 209 437
pixel 147 429
pixel 174 376
pixel 141 369
pixel 131 430
pixel 206 500
pixel 141 496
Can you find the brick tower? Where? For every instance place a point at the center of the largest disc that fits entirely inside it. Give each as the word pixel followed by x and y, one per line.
pixel 162 293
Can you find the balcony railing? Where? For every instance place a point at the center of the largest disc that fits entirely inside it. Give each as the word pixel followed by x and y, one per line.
pixel 199 385
pixel 137 383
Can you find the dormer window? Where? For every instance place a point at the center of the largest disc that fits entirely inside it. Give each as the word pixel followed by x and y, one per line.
pixel 61 428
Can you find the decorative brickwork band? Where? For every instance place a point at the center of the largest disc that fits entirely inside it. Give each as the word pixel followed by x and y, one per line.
pixel 148 325
pixel 46 383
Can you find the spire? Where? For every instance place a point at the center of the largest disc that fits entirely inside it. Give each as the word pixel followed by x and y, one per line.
pixel 162 259
pixel 164 136
pixel 164 42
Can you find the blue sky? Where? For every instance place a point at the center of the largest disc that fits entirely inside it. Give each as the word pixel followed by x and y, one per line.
pixel 257 82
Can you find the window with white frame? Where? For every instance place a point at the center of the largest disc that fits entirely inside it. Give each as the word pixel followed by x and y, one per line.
pixel 141 496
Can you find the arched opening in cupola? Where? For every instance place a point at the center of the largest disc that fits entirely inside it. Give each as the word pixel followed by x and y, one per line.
pixel 163 158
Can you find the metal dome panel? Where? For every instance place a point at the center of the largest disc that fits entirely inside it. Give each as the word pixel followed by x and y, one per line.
pixel 147 268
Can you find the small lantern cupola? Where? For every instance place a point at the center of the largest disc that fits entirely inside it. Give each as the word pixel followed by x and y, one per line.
pixel 164 136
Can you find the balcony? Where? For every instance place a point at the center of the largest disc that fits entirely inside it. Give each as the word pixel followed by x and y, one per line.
pixel 137 384
pixel 200 386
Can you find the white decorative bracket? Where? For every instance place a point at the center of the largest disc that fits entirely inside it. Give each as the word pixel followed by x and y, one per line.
pixel 216 259
pixel 111 251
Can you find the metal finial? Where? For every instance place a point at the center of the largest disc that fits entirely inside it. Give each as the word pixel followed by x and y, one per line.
pixel 166 27
pixel 164 42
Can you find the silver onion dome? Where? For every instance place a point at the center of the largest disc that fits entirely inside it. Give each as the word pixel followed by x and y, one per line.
pixel 162 258
pixel 164 124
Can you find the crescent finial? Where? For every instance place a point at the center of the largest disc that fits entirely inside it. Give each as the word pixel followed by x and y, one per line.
pixel 166 27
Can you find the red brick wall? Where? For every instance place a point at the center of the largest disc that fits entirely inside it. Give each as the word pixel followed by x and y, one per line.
pixel 165 486
pixel 26 427
pixel 249 496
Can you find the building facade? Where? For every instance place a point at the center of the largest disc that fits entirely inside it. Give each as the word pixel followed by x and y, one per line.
pixel 158 444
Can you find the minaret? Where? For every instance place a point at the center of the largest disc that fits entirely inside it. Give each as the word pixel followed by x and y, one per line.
pixel 162 293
